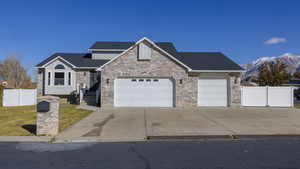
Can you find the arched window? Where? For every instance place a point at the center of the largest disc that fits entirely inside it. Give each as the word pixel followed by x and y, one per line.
pixel 59 67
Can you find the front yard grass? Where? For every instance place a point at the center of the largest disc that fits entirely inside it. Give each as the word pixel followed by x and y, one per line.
pixel 21 121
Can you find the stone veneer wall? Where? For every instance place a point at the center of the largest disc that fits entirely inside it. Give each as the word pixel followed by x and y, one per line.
pixel 128 65
pixel 235 87
pixel 40 82
pixel 81 78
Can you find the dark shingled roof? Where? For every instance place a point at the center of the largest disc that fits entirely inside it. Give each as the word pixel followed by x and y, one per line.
pixel 207 61
pixel 76 59
pixel 194 60
pixel 167 46
pixel 111 45
pixel 294 81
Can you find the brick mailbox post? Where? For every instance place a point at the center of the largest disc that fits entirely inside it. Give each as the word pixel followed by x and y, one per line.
pixel 47 115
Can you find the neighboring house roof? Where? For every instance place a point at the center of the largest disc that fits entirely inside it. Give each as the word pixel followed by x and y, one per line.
pixel 76 59
pixel 248 83
pixel 294 81
pixel 5 84
pixel 207 61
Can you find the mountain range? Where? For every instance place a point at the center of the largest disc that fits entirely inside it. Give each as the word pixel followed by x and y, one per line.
pixel 292 61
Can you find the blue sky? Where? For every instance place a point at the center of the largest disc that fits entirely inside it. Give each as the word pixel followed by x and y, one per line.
pixel 33 30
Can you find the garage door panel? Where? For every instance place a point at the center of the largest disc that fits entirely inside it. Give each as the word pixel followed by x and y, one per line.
pixel 212 92
pixel 144 93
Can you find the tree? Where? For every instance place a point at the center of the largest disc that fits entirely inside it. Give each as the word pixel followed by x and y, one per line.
pixel 12 71
pixel 273 74
pixel 297 74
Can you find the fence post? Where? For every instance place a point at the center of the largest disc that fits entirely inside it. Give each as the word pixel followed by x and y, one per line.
pixel 292 96
pixel 19 97
pixel 241 95
pixel 267 98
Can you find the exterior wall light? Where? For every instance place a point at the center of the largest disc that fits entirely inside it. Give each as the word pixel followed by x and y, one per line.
pixel 180 81
pixel 107 81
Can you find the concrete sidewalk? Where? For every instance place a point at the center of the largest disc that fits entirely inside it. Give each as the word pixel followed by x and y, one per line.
pixel 25 138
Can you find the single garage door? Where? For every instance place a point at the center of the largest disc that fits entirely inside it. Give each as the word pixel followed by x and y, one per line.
pixel 143 92
pixel 212 92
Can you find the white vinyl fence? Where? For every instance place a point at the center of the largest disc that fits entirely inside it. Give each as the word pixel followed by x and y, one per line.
pixel 19 97
pixel 267 96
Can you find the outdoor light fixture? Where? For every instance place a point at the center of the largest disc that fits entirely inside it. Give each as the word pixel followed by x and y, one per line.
pixel 107 81
pixel 180 81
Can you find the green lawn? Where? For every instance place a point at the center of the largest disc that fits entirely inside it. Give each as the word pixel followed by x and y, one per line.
pixel 297 106
pixel 21 121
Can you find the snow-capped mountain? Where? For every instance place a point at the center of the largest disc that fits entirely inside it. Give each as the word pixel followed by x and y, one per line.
pixel 292 61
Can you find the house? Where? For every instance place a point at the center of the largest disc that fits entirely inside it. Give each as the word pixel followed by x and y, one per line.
pixel 143 74
pixel 6 85
pixel 293 82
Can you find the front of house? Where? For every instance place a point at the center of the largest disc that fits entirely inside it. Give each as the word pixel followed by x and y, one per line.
pixel 143 74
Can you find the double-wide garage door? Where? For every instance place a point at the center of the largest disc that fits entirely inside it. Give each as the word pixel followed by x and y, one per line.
pixel 143 92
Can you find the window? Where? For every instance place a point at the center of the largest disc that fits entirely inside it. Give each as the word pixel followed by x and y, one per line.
pixel 69 78
pixel 148 80
pixel 59 78
pixel 59 66
pixel 49 78
pixel 141 80
pixel 133 80
pixel 155 80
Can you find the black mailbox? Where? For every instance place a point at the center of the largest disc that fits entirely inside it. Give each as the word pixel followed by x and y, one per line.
pixel 43 106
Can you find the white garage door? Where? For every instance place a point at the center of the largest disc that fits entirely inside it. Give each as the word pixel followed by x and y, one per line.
pixel 143 92
pixel 212 92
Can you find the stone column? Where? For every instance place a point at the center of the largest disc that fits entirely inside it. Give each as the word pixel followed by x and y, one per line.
pixel 235 84
pixel 47 115
pixel 40 82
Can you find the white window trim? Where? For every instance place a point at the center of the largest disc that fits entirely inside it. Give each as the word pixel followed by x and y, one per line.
pixel 64 79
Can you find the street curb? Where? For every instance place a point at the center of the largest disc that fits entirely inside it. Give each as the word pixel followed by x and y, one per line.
pixel 190 137
pixel 150 138
pixel 91 139
pixel 224 137
pixel 25 139
pixel 266 136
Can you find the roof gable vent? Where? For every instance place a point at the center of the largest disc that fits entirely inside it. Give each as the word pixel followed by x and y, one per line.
pixel 144 52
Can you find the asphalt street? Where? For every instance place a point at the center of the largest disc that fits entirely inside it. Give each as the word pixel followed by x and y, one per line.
pixel 231 154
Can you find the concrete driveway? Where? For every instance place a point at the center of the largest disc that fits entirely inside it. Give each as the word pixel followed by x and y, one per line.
pixel 223 121
pixel 133 124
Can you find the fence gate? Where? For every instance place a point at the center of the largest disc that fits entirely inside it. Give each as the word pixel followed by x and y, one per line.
pixel 267 96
